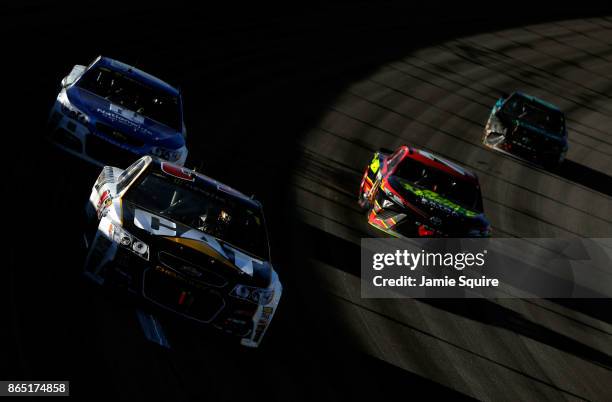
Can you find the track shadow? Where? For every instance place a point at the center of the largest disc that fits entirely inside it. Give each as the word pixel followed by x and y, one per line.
pixel 585 176
pixel 344 255
pixel 382 380
pixel 596 308
pixel 476 354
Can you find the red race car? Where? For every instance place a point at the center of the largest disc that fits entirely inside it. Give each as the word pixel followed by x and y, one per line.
pixel 414 193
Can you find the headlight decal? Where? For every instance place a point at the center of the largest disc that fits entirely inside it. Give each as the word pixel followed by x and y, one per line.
pixel 70 110
pixel 261 296
pixel 128 241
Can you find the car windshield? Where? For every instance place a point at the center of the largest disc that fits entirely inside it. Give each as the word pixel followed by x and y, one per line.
pixel 131 94
pixel 535 114
pixel 210 211
pixel 461 192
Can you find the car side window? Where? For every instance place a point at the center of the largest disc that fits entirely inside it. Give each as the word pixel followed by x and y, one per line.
pixel 128 175
pixel 395 158
pixel 513 106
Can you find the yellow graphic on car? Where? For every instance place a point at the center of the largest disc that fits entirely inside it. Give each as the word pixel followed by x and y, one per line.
pixel 375 164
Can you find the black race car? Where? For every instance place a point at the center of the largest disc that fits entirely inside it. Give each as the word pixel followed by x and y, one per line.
pixel 527 127
pixel 185 242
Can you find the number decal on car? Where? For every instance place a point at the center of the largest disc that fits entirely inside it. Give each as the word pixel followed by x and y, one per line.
pixel 154 224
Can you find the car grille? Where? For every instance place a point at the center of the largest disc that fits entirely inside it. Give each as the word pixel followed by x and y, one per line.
pixel 164 287
pixel 119 136
pixel 193 270
pixel 107 153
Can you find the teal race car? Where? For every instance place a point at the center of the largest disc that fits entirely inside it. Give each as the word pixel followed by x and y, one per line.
pixel 527 127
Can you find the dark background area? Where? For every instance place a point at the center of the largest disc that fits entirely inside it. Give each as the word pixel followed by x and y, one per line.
pixel 254 80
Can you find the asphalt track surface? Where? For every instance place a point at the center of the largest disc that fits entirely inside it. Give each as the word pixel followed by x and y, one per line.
pixel 437 98
pixel 295 118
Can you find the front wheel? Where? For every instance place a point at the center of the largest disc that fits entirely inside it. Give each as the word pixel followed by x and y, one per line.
pixel 364 202
pixel 553 161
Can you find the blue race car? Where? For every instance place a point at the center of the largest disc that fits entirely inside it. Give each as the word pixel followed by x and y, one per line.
pixel 112 113
pixel 528 127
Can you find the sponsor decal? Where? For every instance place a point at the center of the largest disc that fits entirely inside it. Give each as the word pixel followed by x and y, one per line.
pixel 126 113
pixel 191 270
pixel 181 278
pixel 203 247
pixel 433 199
pixel 195 240
pixel 103 203
pixel 116 114
pixel 154 224
pixel 177 171
pixel 375 164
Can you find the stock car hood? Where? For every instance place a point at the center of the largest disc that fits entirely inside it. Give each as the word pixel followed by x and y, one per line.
pixel 144 129
pixel 441 213
pixel 195 247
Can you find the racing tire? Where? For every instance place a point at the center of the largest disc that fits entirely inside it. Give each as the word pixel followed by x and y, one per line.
pixel 364 203
pixel 553 162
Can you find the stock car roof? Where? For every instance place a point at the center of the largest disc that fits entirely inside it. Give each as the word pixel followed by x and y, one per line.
pixel 538 100
pixel 440 163
pixel 135 73
pixel 203 181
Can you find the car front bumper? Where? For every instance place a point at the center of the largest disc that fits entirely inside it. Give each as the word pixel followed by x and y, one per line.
pixel 173 291
pixel 528 149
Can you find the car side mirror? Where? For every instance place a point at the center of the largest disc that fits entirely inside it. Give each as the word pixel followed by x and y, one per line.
pixel 74 74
